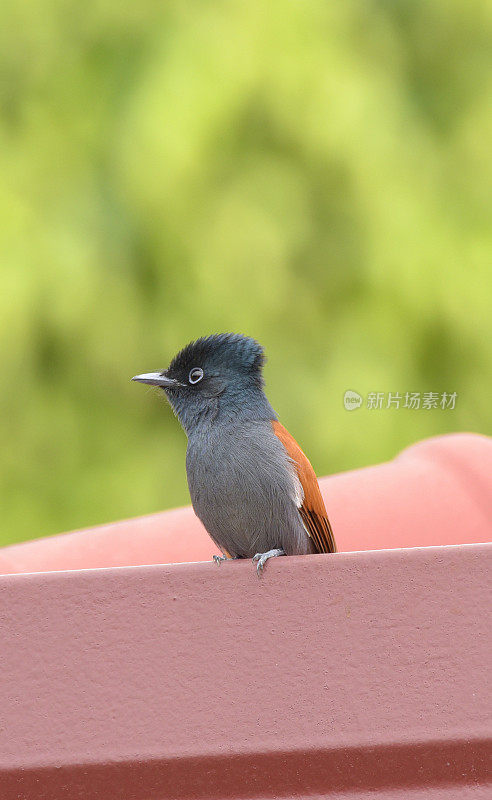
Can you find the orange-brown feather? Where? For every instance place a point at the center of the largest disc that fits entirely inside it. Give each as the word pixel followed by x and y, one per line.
pixel 312 510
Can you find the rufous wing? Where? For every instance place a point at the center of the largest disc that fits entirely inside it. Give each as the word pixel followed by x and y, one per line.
pixel 312 508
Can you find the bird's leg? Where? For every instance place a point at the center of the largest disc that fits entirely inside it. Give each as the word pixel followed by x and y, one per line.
pixel 262 558
pixel 219 559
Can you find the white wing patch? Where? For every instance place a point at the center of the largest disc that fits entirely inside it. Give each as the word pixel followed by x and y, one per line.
pixel 298 494
pixel 297 485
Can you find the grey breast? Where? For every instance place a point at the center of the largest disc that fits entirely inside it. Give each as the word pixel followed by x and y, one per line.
pixel 244 490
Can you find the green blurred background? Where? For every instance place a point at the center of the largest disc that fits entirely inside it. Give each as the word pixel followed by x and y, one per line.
pixel 314 174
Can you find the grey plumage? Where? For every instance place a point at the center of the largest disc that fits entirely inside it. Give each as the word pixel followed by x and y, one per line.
pixel 242 488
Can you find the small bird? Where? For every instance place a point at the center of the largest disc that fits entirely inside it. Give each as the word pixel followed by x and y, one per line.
pixel 250 483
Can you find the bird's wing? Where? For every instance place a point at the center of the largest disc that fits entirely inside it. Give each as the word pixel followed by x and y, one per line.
pixel 311 508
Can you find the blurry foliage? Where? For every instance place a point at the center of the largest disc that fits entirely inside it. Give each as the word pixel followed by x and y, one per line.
pixel 314 174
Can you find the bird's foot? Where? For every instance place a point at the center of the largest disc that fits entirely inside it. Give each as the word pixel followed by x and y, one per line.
pixel 262 558
pixel 219 559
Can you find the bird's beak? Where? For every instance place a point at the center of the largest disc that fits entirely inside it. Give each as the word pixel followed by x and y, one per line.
pixel 157 379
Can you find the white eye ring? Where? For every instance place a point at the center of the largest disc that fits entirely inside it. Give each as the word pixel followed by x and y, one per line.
pixel 196 374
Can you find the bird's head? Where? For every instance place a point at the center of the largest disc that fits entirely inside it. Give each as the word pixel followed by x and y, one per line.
pixel 212 378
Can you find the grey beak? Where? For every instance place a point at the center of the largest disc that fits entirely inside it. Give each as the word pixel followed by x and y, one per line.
pixel 156 379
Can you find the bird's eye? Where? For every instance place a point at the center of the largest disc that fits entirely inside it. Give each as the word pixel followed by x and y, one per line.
pixel 196 374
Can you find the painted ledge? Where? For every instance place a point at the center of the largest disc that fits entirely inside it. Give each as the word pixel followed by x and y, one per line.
pixel 357 675
pixel 333 676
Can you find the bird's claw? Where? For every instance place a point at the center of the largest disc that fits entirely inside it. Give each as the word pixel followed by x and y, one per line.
pixel 260 564
pixel 219 559
pixel 262 558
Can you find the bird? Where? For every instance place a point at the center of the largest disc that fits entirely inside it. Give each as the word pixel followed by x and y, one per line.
pixel 250 483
